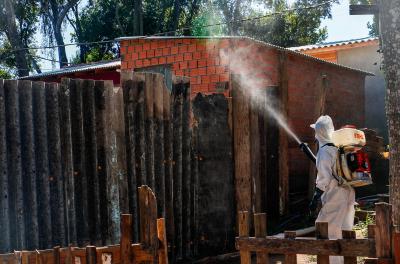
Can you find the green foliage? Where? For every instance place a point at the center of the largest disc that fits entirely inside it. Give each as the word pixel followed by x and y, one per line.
pixel 363 225
pixel 208 23
pixel 4 74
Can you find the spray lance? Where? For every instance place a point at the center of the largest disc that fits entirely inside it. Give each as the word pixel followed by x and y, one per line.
pixel 306 149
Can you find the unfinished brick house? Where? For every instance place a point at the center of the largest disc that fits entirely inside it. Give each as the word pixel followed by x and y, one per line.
pixel 306 86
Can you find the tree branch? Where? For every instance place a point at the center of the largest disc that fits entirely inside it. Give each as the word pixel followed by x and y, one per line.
pixel 64 12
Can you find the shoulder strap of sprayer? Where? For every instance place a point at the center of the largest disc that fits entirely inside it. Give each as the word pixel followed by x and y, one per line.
pixel 338 178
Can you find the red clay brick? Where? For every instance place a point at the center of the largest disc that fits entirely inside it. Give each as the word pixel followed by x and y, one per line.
pixel 194 72
pixel 182 49
pixel 166 51
pixel 142 55
pixel 200 47
pixel 150 53
pixel 200 88
pixel 179 57
pixel 202 71
pixel 211 70
pixel 202 63
pixel 224 43
pixel 130 64
pixel 146 62
pixel 195 80
pixel 197 55
pixel 205 79
pixel 138 63
pixel 187 41
pixel 183 65
pixel 214 78
pixel 212 87
pixel 170 59
pixel 138 48
pixel 130 49
pixel 162 43
pixel 220 69
pixel 192 48
pixel 224 77
pixel 124 43
pixel 210 62
pixel 192 64
pixel 154 44
pixel 134 56
pixel 123 50
pixel 187 72
pixel 205 55
pixel 175 66
pixel 154 61
pixel 124 65
pixel 170 43
pixel 174 50
pixel 158 53
pixel 146 46
pixel 162 60
pixel 179 73
pixel 187 56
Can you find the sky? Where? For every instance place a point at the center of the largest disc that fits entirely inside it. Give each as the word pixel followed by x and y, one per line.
pixel 342 26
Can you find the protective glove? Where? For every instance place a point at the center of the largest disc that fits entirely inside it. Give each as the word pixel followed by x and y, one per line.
pixel 315 200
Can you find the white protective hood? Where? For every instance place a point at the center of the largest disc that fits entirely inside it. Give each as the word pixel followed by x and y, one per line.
pixel 323 129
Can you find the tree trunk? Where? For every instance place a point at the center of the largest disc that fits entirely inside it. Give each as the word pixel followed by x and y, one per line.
pixel 138 20
pixel 175 15
pixel 15 40
pixel 390 33
pixel 62 55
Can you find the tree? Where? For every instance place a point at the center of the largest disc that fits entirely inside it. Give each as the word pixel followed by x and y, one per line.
pixel 389 11
pixel 17 27
pixel 53 13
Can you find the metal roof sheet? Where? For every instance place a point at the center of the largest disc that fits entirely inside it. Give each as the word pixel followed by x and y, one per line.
pixel 77 68
pixel 333 44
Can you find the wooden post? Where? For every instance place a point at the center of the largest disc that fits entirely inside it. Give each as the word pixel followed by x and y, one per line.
pixel 162 237
pixel 66 160
pixel 38 258
pixel 396 247
pixel 244 226
pixel 55 173
pixel 56 255
pixel 347 234
pixel 290 258
pixel 148 219
pixel 260 230
pixel 91 255
pixel 28 164
pixel 69 259
pixel 125 244
pixel 371 231
pixel 383 231
pixel 321 232
pixel 150 80
pixel 4 211
pixel 16 207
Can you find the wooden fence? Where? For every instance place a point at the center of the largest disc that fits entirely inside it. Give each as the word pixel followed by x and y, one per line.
pixel 152 247
pixel 381 246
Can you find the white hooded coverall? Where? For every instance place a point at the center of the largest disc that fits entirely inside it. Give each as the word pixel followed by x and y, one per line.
pixel 337 201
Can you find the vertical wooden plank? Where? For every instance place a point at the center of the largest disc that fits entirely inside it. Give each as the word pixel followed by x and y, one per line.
pixel 186 175
pixel 102 166
pixel 42 169
pixel 244 226
pixel 255 159
pixel 159 165
pixel 241 142
pixel 383 230
pixel 283 138
pixel 4 203
pixel 290 258
pixel 348 234
pixel 38 258
pixel 195 187
pixel 130 104
pixel 177 90
pixel 260 230
pixel 78 148
pixel 66 161
pixel 149 125
pixel 321 232
pixel 55 173
pixel 396 247
pixel 125 242
pixel 28 164
pixel 69 257
pixel 91 164
pixel 17 225
pixel 141 142
pixel 91 255
pixel 162 237
pixel 168 148
pixel 56 255
pixel 148 219
pixel 371 231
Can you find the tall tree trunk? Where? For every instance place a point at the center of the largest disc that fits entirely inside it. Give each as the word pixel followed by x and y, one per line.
pixel 15 40
pixel 62 55
pixel 390 33
pixel 138 20
pixel 175 15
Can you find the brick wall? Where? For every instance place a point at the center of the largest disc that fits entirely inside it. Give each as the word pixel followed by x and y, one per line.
pixel 209 63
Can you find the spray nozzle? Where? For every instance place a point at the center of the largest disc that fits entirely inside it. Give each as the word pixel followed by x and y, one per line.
pixel 306 149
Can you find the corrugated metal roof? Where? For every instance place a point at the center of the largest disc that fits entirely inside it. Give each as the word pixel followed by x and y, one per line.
pixel 252 39
pixel 78 68
pixel 333 44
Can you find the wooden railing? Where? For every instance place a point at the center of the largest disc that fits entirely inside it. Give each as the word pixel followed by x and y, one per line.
pixel 378 247
pixel 151 249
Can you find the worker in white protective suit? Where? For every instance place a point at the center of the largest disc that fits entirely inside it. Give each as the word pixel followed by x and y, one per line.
pixel 337 201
